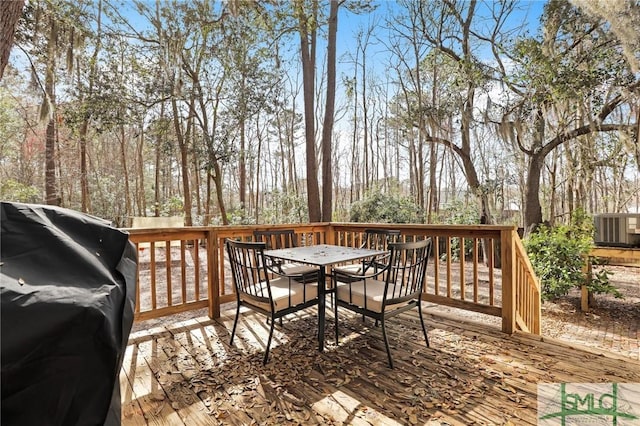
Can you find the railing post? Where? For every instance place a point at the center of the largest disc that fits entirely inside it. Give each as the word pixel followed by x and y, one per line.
pixel 584 290
pixel 213 273
pixel 329 234
pixel 508 255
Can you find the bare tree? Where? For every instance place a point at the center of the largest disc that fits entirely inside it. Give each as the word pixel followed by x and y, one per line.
pixel 438 23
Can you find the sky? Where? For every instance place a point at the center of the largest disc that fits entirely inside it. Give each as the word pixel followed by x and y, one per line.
pixel 349 24
pixel 528 11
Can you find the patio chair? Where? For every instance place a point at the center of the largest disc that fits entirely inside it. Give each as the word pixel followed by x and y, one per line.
pixel 387 292
pixel 285 238
pixel 258 290
pixel 376 239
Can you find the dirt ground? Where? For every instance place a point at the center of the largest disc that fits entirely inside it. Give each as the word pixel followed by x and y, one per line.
pixel 611 324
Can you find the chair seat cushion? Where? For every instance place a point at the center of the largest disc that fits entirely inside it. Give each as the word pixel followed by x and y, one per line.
pixel 298 269
pixel 354 269
pixel 286 293
pixel 360 268
pixel 354 294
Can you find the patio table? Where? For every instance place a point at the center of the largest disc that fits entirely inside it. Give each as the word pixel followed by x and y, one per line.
pixel 322 255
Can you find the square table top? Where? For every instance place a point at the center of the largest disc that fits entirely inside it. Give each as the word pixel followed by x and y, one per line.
pixel 322 254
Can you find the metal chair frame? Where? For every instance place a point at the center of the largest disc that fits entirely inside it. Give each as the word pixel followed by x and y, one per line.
pixel 253 283
pixel 278 239
pixel 402 280
pixel 377 239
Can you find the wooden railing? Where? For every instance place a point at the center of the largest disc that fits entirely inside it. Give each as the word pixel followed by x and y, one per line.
pixel 528 295
pixel 185 269
pixel 625 256
pixel 173 270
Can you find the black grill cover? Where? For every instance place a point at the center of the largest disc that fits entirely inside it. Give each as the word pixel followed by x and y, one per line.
pixel 67 284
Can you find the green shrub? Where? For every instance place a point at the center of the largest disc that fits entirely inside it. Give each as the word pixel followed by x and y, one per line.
pixel 174 206
pixel 558 255
pixel 12 190
pixel 285 208
pixel 459 213
pixel 383 208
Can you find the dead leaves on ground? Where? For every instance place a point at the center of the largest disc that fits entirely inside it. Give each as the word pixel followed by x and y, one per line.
pixel 348 384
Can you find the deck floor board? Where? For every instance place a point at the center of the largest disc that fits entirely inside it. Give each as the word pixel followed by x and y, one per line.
pixel 188 373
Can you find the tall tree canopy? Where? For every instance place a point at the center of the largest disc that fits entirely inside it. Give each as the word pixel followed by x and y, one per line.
pixel 232 112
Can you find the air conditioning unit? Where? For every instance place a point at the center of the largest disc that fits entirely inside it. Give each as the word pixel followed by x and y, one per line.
pixel 617 229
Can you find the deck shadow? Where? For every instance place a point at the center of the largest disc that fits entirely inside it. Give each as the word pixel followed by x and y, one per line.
pixel 471 372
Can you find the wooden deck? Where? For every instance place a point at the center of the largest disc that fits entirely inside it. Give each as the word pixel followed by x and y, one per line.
pixel 185 373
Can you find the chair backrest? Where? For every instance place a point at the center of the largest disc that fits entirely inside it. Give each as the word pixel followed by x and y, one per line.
pixel 379 239
pixel 277 238
pixel 250 276
pixel 407 270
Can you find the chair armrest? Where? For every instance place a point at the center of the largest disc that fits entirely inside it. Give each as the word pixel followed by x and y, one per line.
pixel 274 265
pixel 377 263
pixel 344 276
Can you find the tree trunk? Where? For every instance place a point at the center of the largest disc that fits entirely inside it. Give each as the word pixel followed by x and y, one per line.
pixel 327 128
pixel 84 173
pixel 214 173
pixel 354 193
pixel 184 162
pixel 419 159
pixel 366 168
pixel 283 158
pixel 217 178
pixel 196 185
pixel 308 50
pixel 125 172
pixel 207 205
pixel 432 205
pixel 50 184
pixel 258 180
pixel 156 192
pixel 84 181
pixel 140 193
pixel 242 167
pixel 433 183
pixel 552 185
pixel 532 208
pixel 10 13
